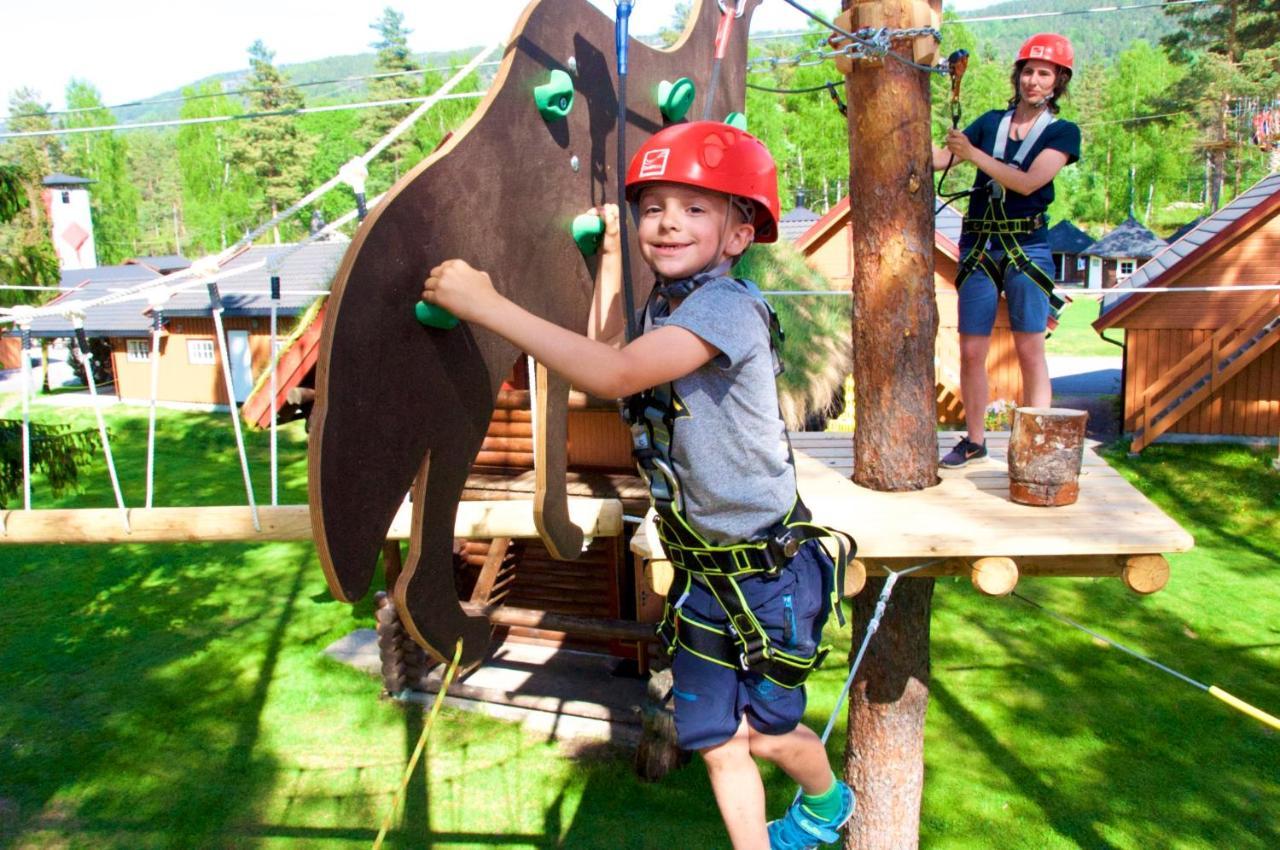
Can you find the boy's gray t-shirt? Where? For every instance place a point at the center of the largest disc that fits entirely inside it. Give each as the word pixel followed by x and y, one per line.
pixel 729 447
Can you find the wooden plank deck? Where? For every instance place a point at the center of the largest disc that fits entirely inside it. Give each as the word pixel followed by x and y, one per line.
pixel 969 513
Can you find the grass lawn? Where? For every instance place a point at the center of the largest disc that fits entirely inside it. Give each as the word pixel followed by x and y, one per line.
pixel 176 696
pixel 1075 336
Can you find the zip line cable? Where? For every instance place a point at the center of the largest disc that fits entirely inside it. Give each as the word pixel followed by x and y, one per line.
pixel 1096 9
pixel 133 104
pixel 244 116
pixel 1213 690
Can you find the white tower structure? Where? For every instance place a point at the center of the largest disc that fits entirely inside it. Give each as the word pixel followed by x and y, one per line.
pixel 66 199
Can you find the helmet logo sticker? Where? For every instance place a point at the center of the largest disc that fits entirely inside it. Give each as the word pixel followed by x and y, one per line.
pixel 1037 51
pixel 654 163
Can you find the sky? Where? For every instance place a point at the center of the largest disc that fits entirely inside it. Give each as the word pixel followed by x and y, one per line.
pixel 133 49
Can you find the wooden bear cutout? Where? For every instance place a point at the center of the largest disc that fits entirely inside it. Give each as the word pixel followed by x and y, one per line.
pixel 400 406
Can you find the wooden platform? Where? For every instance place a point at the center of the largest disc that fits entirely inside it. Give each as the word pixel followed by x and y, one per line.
pixel 969 513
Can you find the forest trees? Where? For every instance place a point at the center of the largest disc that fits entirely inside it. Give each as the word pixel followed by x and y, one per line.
pixel 26 249
pixel 1230 51
pixel 103 158
pixel 215 195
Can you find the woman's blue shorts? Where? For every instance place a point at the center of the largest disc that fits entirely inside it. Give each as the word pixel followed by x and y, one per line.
pixel 1028 303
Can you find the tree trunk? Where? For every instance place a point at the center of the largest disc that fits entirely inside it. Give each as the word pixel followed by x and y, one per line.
pixel 884 755
pixel 895 444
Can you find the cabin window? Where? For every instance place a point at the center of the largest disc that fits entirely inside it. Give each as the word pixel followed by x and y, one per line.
pixel 200 352
pixel 66 197
pixel 1081 263
pixel 137 350
pixel 1125 268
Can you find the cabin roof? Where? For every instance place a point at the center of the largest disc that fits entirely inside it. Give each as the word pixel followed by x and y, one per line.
pixel 1202 241
pixel 1128 241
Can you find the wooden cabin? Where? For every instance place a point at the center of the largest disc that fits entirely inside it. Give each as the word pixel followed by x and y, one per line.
pixel 828 246
pixel 1116 256
pixel 190 371
pixel 1069 244
pixel 1200 364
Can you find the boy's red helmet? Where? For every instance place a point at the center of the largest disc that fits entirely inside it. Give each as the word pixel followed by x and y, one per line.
pixel 711 155
pixel 1050 47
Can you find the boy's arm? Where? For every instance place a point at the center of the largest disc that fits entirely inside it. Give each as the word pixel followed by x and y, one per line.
pixel 606 321
pixel 592 366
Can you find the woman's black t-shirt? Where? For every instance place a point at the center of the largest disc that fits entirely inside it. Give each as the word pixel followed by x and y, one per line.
pixel 1060 136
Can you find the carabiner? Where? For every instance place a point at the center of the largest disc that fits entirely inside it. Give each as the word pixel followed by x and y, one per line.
pixel 738 10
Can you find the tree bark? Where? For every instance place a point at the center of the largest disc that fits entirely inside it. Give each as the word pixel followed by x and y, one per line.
pixel 895 444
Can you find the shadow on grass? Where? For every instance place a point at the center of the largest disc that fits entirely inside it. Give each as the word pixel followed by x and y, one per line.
pixel 116 697
pixel 1112 752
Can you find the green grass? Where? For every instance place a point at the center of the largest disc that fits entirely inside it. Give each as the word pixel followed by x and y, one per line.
pixel 1075 336
pixel 177 696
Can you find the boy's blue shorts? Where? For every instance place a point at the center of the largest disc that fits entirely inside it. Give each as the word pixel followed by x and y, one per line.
pixel 710 699
pixel 1028 303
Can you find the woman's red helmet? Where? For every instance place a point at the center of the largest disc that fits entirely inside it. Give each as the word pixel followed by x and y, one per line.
pixel 711 155
pixel 1050 47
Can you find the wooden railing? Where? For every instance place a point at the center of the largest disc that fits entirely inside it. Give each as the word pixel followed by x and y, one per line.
pixel 1206 368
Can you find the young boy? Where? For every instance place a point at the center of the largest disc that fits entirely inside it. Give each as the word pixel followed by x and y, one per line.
pixel 753 588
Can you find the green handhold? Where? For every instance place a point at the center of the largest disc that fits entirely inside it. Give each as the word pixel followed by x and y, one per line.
pixel 555 97
pixel 736 119
pixel 674 99
pixel 434 316
pixel 588 232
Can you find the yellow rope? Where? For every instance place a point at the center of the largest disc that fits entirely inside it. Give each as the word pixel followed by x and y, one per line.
pixel 422 743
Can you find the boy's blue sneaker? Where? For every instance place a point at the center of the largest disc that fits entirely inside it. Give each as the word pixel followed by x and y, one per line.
pixel 799 829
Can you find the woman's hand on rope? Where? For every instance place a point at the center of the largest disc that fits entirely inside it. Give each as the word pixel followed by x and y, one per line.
pixel 464 291
pixel 960 146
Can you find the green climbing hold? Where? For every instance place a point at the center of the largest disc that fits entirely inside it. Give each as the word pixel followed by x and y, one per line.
pixel 588 232
pixel 674 99
pixel 736 119
pixel 555 97
pixel 434 316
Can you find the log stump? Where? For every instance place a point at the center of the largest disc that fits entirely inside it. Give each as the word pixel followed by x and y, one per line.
pixel 1045 451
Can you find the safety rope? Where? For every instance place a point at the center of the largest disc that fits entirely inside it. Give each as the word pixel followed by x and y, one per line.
pixel 727 17
pixel 422 743
pixel 215 307
pixel 620 26
pixel 1213 690
pixel 158 299
pixel 873 625
pixel 86 359
pixel 273 362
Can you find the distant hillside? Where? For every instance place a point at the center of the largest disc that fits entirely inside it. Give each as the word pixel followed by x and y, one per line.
pixel 1097 36
pixel 316 71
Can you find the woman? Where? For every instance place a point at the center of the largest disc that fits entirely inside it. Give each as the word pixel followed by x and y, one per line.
pixel 1004 244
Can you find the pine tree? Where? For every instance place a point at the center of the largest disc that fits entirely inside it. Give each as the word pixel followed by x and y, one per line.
pixel 394 60
pixel 273 149
pixel 103 158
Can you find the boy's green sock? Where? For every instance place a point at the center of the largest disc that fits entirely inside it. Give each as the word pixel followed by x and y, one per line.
pixel 826 805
